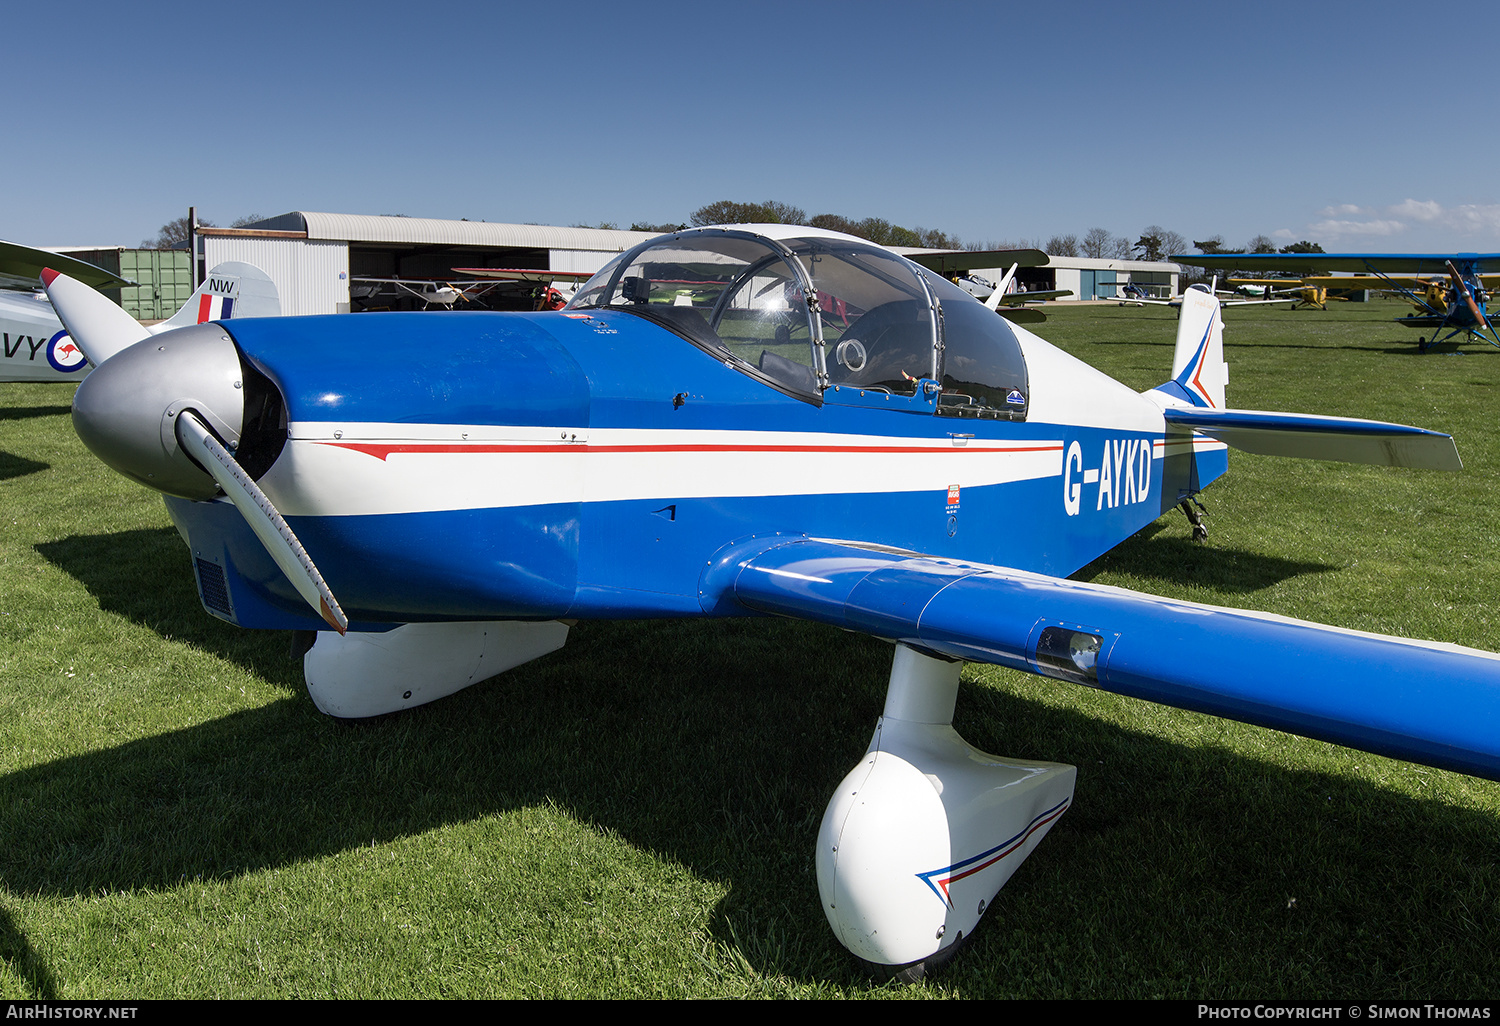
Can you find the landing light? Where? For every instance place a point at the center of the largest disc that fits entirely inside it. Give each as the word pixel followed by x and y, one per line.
pixel 1069 654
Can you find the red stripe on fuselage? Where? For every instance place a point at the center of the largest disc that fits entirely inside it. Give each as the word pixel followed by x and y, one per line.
pixel 381 450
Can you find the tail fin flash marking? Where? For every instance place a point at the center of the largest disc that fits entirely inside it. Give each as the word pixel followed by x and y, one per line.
pixel 229 287
pixel 1198 372
pixel 1191 377
pixel 213 307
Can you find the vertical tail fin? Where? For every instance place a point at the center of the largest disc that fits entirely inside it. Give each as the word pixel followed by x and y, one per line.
pixel 231 289
pixel 1198 369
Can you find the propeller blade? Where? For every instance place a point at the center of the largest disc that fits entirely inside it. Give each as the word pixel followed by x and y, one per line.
pixel 100 328
pixel 994 301
pixel 269 526
pixel 1463 290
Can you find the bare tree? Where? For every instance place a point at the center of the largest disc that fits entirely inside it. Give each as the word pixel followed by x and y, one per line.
pixel 1097 243
pixel 1062 245
pixel 173 234
pixel 1261 244
pixel 931 238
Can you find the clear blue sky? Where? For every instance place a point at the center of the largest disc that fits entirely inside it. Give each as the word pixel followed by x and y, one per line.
pixel 1362 126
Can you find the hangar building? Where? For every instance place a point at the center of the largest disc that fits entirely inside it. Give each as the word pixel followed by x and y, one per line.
pixel 334 263
pixel 313 258
pixel 1090 278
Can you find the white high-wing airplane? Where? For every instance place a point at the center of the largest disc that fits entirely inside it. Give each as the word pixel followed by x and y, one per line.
pixel 35 346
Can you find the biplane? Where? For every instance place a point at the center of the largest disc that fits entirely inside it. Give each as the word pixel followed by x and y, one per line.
pixel 1457 308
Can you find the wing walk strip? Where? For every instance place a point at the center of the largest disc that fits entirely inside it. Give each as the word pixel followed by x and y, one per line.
pixel 1427 702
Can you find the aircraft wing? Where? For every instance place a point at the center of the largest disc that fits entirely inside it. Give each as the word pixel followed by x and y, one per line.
pixel 1037 296
pixel 1148 301
pixel 948 263
pixel 1022 314
pixel 1428 702
pixel 20 266
pixel 524 274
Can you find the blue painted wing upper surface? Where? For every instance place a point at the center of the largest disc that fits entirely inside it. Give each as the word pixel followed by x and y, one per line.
pixel 1428 702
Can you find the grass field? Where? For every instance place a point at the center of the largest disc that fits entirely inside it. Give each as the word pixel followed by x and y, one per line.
pixel 635 815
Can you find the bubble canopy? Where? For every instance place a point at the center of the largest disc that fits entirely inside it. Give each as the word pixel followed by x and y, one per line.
pixel 808 312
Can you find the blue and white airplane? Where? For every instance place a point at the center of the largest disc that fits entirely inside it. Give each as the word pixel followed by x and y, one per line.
pixel 747 420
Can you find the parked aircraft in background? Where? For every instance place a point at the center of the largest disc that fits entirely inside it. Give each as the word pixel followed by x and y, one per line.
pixel 550 290
pixel 486 288
pixel 20 265
pixel 381 293
pixel 1297 292
pixel 1458 309
pixel 958 266
pixel 36 346
pixel 1131 294
pixel 693 436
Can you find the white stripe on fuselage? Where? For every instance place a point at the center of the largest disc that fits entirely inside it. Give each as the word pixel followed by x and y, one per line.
pixel 362 468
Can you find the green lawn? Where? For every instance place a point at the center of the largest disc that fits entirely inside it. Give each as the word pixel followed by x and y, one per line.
pixel 635 815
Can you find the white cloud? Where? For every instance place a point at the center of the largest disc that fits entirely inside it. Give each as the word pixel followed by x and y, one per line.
pixel 1283 233
pixel 1348 219
pixel 1335 229
pixel 1418 210
pixel 1474 218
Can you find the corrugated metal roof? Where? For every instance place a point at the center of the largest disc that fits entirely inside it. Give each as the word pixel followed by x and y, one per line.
pixel 429 230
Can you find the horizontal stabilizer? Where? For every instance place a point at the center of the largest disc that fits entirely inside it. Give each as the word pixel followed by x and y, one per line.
pixel 1427 702
pixel 1322 438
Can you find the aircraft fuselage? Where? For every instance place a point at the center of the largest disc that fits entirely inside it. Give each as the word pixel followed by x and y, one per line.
pixel 497 466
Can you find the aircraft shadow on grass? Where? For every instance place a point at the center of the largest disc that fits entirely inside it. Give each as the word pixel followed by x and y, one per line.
pixel 615 728
pixel 27 412
pixel 145 577
pixel 12 466
pixel 16 952
pixel 1181 561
